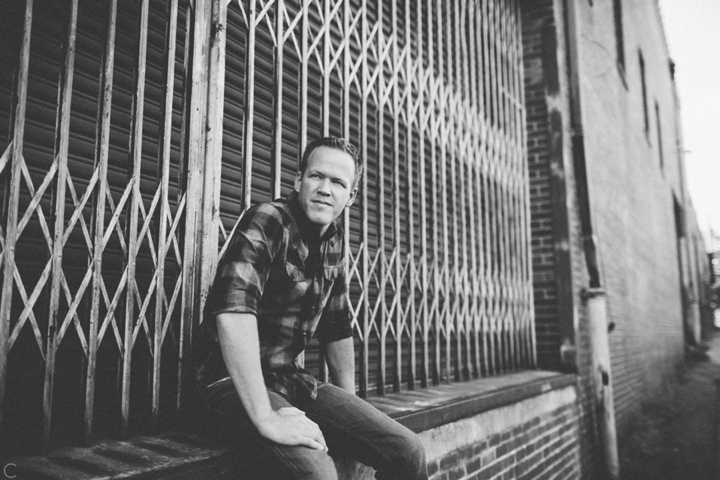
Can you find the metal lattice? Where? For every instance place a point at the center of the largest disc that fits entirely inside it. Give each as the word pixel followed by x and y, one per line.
pixel 96 240
pixel 137 141
pixel 438 257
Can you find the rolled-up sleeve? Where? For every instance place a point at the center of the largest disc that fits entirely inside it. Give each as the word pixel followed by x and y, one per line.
pixel 244 269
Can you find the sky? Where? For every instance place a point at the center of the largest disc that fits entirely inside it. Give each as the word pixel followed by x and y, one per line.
pixel 692 29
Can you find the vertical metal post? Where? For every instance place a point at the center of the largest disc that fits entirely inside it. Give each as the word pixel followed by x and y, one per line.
pixel 304 60
pixel 277 133
pixel 425 283
pixel 397 254
pixel 209 216
pixel 446 319
pixel 249 123
pixel 62 141
pixel 411 269
pixel 346 134
pixel 195 132
pixel 136 140
pixel 11 230
pixel 327 41
pixel 102 140
pixel 365 248
pixel 470 53
pixel 382 264
pixel 437 316
pixel 164 147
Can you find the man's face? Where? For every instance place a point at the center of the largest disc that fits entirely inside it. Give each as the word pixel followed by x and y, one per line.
pixel 327 185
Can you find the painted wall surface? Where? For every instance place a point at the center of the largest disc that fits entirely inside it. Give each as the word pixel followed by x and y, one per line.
pixel 631 193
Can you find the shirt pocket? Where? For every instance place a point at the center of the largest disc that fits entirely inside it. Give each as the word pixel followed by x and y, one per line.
pixel 292 285
pixel 330 275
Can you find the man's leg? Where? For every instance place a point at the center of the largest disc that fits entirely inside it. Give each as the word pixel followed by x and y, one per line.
pixel 354 428
pixel 275 461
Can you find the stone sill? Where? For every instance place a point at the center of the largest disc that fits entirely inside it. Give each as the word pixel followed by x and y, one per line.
pixel 427 408
pixel 187 456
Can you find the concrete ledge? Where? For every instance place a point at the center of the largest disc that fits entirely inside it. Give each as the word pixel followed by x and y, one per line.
pixel 168 456
pixel 421 410
pixel 187 456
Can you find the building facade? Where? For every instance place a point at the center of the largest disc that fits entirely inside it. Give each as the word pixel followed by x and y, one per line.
pixel 516 158
pixel 610 210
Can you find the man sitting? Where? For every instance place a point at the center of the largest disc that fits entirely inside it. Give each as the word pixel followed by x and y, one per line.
pixel 281 281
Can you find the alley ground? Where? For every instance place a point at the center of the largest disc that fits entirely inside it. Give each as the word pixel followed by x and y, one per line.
pixel 674 438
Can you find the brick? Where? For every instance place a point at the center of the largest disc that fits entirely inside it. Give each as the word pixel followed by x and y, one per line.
pixel 448 461
pixel 473 465
pixel 440 476
pixel 465 453
pixel 457 473
pixel 432 467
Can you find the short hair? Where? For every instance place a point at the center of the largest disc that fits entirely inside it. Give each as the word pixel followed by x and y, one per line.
pixel 338 143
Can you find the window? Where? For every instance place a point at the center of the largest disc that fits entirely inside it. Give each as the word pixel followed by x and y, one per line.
pixel 659 136
pixel 644 92
pixel 619 39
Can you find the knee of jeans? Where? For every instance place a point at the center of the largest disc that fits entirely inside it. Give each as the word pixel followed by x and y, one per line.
pixel 411 456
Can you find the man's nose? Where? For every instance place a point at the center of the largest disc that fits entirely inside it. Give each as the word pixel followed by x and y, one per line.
pixel 324 187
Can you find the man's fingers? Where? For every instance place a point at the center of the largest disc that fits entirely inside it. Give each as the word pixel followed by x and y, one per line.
pixel 315 434
pixel 315 445
pixel 292 427
pixel 290 411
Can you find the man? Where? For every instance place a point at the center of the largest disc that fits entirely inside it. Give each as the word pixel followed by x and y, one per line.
pixel 281 280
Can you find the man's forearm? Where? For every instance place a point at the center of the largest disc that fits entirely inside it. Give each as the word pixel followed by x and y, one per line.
pixel 340 356
pixel 240 345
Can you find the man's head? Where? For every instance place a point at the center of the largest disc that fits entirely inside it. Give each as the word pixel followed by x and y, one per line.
pixel 337 143
pixel 327 180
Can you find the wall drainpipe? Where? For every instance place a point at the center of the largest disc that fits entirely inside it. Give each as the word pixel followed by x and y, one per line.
pixel 594 296
pixel 596 302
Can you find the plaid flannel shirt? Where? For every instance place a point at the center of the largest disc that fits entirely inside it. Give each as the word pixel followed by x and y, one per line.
pixel 278 269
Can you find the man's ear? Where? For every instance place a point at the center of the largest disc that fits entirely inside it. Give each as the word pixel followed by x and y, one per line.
pixel 298 178
pixel 353 196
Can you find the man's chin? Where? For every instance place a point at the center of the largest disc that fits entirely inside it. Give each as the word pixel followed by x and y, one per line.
pixel 320 221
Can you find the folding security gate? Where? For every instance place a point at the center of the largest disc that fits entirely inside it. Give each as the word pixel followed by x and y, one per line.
pixel 135 133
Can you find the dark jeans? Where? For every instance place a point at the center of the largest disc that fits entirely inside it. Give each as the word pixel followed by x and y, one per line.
pixel 351 427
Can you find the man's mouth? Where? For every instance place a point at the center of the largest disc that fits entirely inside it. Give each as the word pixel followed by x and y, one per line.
pixel 322 203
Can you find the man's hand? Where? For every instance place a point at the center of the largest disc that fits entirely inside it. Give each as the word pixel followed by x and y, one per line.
pixel 290 426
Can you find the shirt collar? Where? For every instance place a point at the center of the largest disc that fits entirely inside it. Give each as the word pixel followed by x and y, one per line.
pixel 306 228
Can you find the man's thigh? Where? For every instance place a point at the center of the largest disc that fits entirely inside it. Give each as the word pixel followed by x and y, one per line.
pixel 271 460
pixel 354 428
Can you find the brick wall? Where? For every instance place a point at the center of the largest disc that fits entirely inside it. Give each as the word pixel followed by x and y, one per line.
pixel 631 201
pixel 533 439
pixel 539 21
pixel 536 17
